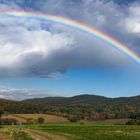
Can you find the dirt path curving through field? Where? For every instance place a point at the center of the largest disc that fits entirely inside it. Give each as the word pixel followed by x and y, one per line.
pixel 38 135
pixel 4 137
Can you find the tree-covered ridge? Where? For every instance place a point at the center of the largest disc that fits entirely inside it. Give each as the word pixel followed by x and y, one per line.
pixel 90 107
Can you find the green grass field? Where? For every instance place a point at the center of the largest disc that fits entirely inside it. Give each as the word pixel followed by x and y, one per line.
pixel 91 132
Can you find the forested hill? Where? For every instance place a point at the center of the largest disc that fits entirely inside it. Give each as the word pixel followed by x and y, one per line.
pixel 84 106
pixel 88 100
pixel 80 99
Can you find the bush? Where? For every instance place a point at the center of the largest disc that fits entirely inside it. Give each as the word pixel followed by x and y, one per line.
pixel 8 121
pixel 41 120
pixel 73 119
pixel 32 121
pixel 21 135
pixel 82 123
pixel 133 122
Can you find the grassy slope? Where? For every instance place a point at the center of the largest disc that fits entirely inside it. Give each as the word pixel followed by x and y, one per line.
pixel 48 118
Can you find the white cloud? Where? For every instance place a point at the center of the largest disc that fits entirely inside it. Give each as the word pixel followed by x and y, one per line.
pixel 133 20
pixel 22 48
pixel 107 16
pixel 15 47
pixel 21 94
pixel 28 49
pixel 2 96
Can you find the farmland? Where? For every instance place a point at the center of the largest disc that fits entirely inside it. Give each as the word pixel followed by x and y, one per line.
pixel 48 118
pixel 61 130
pixel 92 132
pixel 84 118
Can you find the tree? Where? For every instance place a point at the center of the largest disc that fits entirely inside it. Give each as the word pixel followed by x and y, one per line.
pixel 31 121
pixel 1 112
pixel 73 118
pixel 41 120
pixel 8 121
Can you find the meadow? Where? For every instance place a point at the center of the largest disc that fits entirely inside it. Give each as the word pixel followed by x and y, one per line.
pixel 92 132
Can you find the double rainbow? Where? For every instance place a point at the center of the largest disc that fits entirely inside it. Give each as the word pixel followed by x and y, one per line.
pixel 77 25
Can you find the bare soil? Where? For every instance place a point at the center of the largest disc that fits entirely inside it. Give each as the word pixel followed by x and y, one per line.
pixel 38 135
pixel 4 137
pixel 48 118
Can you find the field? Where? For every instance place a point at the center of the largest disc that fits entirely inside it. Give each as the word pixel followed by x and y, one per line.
pixel 93 132
pixel 74 131
pixel 48 118
pixel 58 128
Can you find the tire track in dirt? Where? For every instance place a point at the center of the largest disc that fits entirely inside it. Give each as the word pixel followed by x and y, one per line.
pixel 4 137
pixel 38 135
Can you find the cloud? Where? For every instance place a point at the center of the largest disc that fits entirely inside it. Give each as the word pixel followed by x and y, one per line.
pixel 21 94
pixel 133 20
pixel 38 48
pixel 28 52
pixel 107 16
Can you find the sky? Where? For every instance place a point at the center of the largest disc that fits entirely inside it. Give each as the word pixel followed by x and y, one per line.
pixel 41 58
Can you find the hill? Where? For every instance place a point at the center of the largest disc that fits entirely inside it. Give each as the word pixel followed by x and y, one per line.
pixel 91 107
pixel 88 100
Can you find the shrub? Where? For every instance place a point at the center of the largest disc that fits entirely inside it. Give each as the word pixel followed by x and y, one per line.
pixel 41 120
pixel 8 121
pixel 21 135
pixel 133 122
pixel 73 118
pixel 32 121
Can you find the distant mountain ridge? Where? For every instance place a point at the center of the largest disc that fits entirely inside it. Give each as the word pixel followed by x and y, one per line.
pixel 91 107
pixel 85 98
pixel 78 99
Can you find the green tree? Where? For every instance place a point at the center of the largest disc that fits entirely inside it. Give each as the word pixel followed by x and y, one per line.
pixel 1 112
pixel 32 121
pixel 41 120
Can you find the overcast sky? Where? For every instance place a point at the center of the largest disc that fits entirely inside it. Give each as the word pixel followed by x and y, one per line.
pixel 40 58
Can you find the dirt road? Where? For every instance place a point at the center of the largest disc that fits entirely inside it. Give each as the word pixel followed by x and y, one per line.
pixel 4 137
pixel 38 135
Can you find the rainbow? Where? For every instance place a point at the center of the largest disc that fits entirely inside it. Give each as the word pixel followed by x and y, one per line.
pixel 77 25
